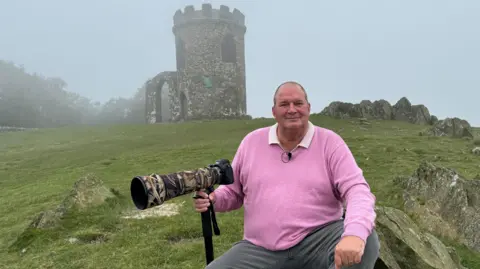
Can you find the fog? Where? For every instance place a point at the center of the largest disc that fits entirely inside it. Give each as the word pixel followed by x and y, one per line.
pixel 67 63
pixel 33 101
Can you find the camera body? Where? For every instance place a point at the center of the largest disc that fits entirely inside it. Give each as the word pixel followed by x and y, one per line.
pixel 225 171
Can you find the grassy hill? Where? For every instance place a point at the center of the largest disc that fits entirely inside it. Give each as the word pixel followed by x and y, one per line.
pixel 37 169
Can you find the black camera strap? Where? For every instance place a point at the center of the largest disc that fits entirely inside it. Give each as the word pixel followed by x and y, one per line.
pixel 208 220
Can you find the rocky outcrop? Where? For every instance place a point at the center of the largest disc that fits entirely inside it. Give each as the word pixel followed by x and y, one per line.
pixel 403 110
pixel 444 203
pixel 452 127
pixel 380 109
pixel 404 245
pixel 439 203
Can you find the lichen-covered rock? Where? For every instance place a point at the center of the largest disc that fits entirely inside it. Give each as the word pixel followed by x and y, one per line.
pixel 364 122
pixel 87 192
pixel 379 109
pixel 451 127
pixel 382 109
pixel 403 110
pixel 404 245
pixel 444 203
pixel 433 119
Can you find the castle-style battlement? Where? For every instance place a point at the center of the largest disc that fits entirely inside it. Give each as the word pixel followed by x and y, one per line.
pixel 190 15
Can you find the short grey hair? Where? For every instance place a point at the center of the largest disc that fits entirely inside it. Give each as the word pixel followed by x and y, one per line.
pixel 289 82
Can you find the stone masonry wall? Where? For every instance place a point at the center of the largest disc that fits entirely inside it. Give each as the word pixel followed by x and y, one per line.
pixel 210 79
pixel 214 88
pixel 157 101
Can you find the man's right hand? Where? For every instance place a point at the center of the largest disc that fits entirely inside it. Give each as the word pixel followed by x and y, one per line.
pixel 202 204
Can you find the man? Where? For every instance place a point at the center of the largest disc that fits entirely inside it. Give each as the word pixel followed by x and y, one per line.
pixel 292 179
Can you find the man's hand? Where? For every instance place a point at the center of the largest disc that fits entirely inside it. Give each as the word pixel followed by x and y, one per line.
pixel 349 251
pixel 202 204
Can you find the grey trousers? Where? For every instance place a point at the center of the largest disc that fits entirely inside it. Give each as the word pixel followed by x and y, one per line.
pixel 316 251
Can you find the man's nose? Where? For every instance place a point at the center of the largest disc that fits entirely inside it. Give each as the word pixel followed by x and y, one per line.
pixel 291 108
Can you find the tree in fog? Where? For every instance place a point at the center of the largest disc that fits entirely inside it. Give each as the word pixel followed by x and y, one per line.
pixel 31 100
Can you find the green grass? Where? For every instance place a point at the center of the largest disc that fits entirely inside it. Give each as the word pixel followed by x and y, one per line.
pixel 37 169
pixel 476 141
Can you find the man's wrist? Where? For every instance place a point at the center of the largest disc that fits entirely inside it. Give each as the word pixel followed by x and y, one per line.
pixel 212 199
pixel 358 230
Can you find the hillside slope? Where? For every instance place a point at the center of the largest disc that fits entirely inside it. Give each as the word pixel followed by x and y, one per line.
pixel 39 168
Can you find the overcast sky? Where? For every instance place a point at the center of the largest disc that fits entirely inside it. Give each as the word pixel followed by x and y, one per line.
pixel 425 50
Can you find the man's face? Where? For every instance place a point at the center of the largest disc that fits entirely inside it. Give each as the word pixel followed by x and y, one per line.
pixel 291 109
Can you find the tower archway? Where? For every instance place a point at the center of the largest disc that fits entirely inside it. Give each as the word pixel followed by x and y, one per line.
pixel 162 102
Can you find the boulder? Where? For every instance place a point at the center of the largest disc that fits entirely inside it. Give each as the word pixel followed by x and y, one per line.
pixel 380 109
pixel 340 110
pixel 451 127
pixel 364 122
pixel 404 245
pixel 403 110
pixel 88 191
pixel 444 203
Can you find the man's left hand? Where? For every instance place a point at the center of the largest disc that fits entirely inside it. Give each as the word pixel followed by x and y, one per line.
pixel 349 251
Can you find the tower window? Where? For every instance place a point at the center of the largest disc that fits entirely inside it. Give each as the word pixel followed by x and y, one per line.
pixel 229 49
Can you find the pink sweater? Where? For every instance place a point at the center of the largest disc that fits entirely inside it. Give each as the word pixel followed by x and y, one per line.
pixel 283 202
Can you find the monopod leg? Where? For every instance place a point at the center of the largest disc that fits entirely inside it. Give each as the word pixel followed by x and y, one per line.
pixel 207 235
pixel 207 218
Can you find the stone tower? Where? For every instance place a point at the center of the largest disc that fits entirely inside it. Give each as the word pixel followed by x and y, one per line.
pixel 209 82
